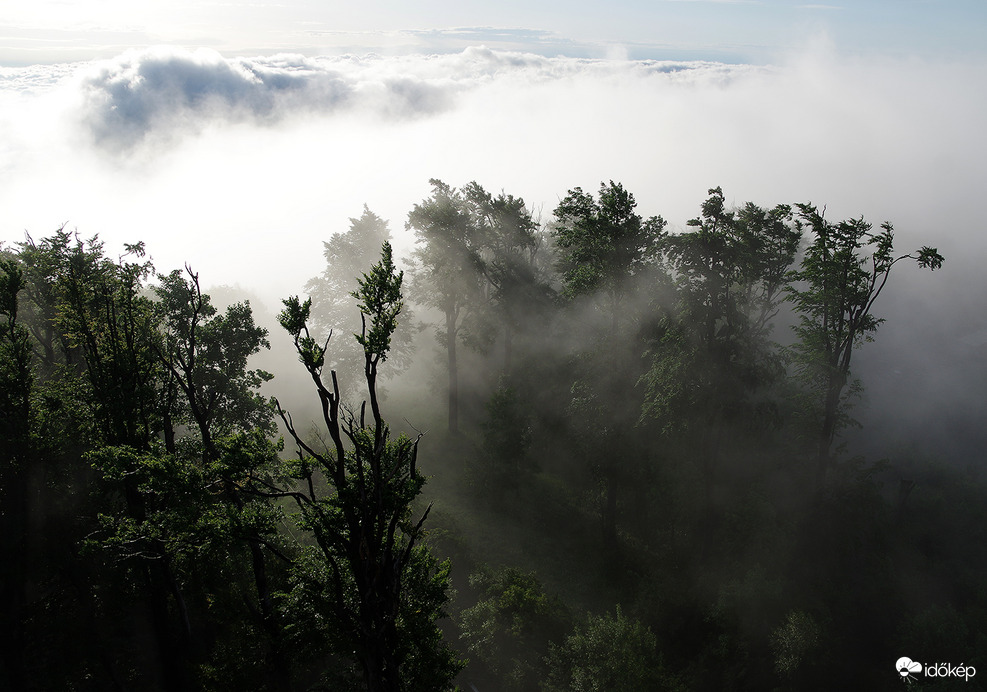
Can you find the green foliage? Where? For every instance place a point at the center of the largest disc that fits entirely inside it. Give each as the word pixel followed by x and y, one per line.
pixel 105 326
pixel 11 284
pixel 510 627
pixel 603 241
pixel 207 353
pixel 795 642
pixel 370 594
pixel 152 537
pixel 608 653
pixel 729 274
pixel 370 589
pixel 379 293
pixel 177 520
pixel 16 369
pixel 843 271
pixel 293 318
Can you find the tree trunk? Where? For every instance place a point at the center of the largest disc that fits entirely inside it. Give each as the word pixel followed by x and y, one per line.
pixel 828 431
pixel 169 433
pixel 610 511
pixel 13 583
pixel 280 671
pixel 453 372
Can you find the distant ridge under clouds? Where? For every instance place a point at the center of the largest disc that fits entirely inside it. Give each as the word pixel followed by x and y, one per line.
pixel 59 46
pixel 537 41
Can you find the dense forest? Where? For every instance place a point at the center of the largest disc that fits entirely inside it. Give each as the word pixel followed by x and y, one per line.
pixel 583 454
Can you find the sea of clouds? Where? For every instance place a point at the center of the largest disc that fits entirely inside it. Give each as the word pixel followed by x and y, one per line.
pixel 241 167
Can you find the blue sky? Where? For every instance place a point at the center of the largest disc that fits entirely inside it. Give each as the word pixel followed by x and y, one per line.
pixel 757 31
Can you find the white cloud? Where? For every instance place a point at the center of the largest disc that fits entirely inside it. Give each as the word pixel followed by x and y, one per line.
pixel 243 166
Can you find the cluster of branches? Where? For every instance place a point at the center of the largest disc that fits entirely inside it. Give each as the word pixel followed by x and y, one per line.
pixel 144 493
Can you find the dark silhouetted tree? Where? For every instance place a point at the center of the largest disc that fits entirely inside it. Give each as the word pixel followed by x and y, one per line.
pixel 604 245
pixel 369 587
pixel 205 354
pixel 845 268
pixel 335 310
pixel 16 456
pixel 449 274
pixel 714 357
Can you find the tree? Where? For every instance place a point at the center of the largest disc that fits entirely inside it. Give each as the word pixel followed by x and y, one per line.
pixel 372 590
pixel 510 628
pixel 508 245
pixel 608 652
pixel 845 268
pixel 604 247
pixel 333 306
pixel 732 270
pixel 604 243
pixel 16 432
pixel 205 354
pixel 448 274
pixel 159 529
pixel 105 328
pixel 714 355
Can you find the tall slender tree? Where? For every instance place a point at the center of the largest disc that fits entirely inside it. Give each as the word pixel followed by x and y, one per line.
pixel 205 354
pixel 370 585
pixel 508 243
pixel 843 272
pixel 449 274
pixel 604 246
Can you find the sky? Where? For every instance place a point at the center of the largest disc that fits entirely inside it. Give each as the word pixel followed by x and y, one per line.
pixel 49 31
pixel 236 136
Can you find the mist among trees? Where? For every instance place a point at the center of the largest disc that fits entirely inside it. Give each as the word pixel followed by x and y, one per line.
pixel 585 452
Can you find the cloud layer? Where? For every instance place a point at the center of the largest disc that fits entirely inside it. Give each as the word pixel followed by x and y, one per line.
pixel 242 167
pixel 158 94
pixel 196 152
pixel 155 95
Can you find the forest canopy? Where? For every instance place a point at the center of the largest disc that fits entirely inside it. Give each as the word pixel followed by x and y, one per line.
pixel 630 468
